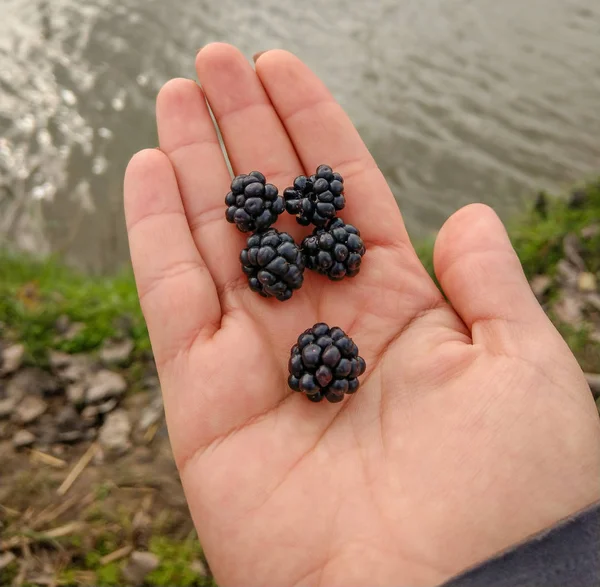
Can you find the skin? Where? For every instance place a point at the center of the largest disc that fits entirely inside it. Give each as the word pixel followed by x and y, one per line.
pixel 473 428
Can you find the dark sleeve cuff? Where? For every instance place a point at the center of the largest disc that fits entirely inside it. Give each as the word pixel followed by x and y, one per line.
pixel 566 555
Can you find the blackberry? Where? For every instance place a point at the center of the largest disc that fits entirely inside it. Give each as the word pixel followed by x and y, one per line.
pixel 335 250
pixel 325 364
pixel 253 204
pixel 273 263
pixel 317 198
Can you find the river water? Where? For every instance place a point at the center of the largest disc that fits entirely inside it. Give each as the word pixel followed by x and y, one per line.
pixel 458 100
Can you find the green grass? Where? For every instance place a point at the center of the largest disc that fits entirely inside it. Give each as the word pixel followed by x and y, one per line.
pixel 538 238
pixel 175 560
pixel 34 294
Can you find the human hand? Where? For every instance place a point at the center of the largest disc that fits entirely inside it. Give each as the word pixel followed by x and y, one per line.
pixel 473 427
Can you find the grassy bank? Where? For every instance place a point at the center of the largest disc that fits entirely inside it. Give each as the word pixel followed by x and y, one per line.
pixel 36 295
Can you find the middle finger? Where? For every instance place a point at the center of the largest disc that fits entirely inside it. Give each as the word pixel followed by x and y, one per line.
pixel 254 137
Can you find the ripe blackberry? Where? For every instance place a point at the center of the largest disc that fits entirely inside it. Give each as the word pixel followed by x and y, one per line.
pixel 335 250
pixel 253 204
pixel 325 364
pixel 317 198
pixel 273 263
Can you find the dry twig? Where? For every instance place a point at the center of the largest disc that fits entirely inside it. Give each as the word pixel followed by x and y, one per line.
pixel 83 462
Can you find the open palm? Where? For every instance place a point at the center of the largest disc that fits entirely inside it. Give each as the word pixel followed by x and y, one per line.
pixel 473 427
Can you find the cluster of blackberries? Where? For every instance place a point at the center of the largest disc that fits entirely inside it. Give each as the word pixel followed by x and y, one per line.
pixel 315 199
pixel 324 363
pixel 335 250
pixel 272 261
pixel 253 204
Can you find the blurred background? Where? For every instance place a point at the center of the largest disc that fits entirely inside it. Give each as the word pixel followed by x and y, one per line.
pixel 458 100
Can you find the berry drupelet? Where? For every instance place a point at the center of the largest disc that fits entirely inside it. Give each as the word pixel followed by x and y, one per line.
pixel 273 263
pixel 315 199
pixel 325 364
pixel 335 250
pixel 253 204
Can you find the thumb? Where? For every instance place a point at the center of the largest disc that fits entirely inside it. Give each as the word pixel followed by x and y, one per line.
pixel 482 278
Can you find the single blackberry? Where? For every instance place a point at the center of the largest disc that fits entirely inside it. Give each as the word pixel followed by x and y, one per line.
pixel 253 204
pixel 325 364
pixel 317 198
pixel 273 263
pixel 335 250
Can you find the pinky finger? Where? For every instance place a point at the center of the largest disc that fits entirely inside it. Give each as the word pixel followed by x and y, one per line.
pixel 177 293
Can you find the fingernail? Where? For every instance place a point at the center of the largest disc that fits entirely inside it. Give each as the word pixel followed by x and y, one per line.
pixel 257 55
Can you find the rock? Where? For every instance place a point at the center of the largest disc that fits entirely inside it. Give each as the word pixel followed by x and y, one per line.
pixel 593 299
pixel 107 406
pixel 31 381
pixel 590 231
pixel 7 407
pixel 98 458
pixel 23 438
pixel 587 282
pixel 569 310
pixel 105 385
pixel 572 248
pixel 59 360
pixel 117 352
pixel 30 409
pixel 151 382
pixel 198 567
pixel 78 369
pixel 67 418
pixel 114 434
pixel 567 273
pixel 46 431
pixel 151 414
pixel 12 357
pixel 140 565
pixel 540 285
pixel 6 558
pixel 76 393
pixel 89 415
pixel 593 380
